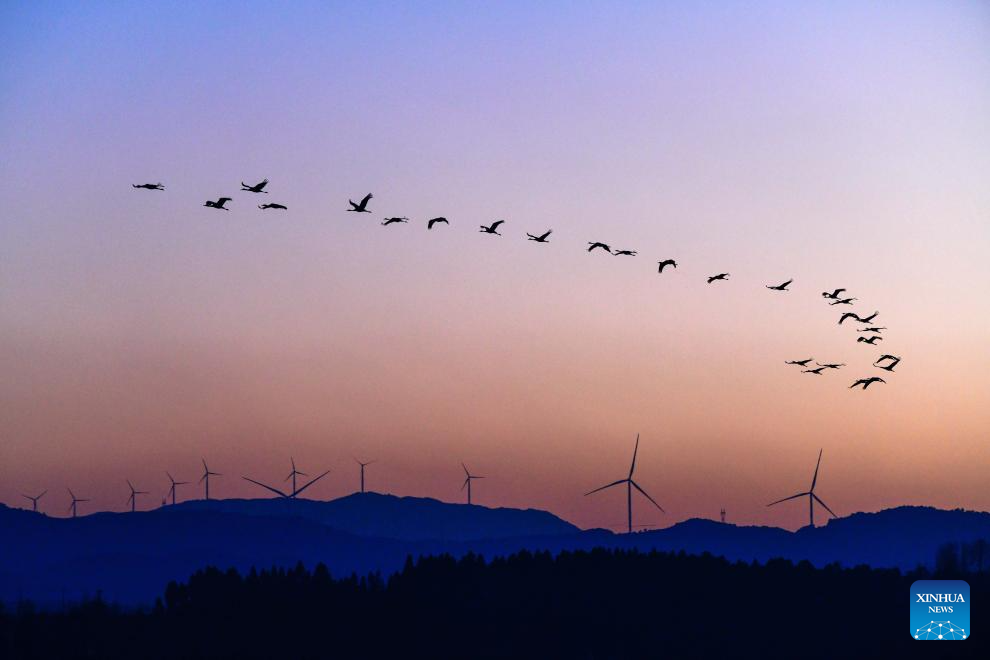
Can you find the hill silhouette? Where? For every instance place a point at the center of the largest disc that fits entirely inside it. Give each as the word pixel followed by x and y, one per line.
pixel 130 556
pixel 598 604
pixel 404 518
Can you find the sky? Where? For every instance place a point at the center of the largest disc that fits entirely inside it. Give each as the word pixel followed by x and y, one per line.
pixel 840 144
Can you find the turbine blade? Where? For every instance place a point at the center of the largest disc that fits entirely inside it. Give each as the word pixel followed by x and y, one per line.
pixel 42 494
pixel 465 469
pixel 464 485
pixel 311 482
pixel 274 490
pixel 788 498
pixel 633 466
pixel 203 477
pixel 614 483
pixel 647 495
pixel 815 478
pixel 819 500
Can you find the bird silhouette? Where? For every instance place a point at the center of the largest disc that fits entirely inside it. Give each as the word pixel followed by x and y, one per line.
pixel 868 319
pixel 849 315
pixel 831 365
pixel 817 371
pixel 430 223
pixel 492 228
pixel 271 206
pixel 149 186
pixel 780 287
pixel 540 239
pixel 866 382
pixel 625 253
pixel 834 295
pixel 870 340
pixel 666 262
pixel 392 221
pixel 362 207
pixel 888 367
pixel 720 276
pixel 256 188
pixel 603 246
pixel 219 204
pixel 872 329
pixel 844 301
pixel 887 357
pixel 800 363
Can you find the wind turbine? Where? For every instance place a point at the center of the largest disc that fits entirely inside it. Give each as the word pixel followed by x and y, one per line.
pixel 467 482
pixel 295 491
pixel 292 475
pixel 206 477
pixel 132 500
pixel 630 484
pixel 171 491
pixel 75 500
pixel 812 498
pixel 362 470
pixel 34 500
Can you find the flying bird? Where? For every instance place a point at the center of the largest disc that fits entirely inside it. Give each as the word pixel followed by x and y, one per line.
pixel 256 188
pixel 800 363
pixel 271 206
pixel 872 329
pixel 849 315
pixel 831 365
pixel 219 204
pixel 720 276
pixel 149 186
pixel 780 287
pixel 868 319
pixel 603 246
pixel 491 229
pixel 844 301
pixel 888 367
pixel 430 223
pixel 817 371
pixel 362 207
pixel 887 357
pixel 392 221
pixel 866 382
pixel 625 253
pixel 870 340
pixel 834 295
pixel 666 262
pixel 542 238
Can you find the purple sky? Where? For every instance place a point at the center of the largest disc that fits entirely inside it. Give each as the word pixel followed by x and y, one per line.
pixel 839 144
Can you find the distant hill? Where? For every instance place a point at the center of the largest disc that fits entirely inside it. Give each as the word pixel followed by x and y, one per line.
pixel 130 557
pixel 404 518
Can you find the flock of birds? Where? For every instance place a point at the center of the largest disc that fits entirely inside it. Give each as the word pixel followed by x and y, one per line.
pixel 871 334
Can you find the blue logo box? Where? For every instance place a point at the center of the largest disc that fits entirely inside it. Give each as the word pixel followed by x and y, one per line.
pixel 940 610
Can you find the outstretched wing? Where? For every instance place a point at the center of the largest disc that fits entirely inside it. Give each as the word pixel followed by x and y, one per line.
pixel 544 236
pixel 367 198
pixel 496 224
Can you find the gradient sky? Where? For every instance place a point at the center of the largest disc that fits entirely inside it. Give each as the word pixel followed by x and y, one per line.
pixel 841 144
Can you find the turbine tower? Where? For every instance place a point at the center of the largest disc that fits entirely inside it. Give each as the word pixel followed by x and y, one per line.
pixel 206 477
pixel 34 500
pixel 630 484
pixel 362 470
pixel 812 498
pixel 75 501
pixel 292 475
pixel 721 514
pixel 467 482
pixel 132 500
pixel 171 490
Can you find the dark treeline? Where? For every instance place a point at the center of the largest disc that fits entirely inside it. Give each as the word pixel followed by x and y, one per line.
pixel 598 604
